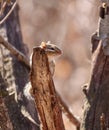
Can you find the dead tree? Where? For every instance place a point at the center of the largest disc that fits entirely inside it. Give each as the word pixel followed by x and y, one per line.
pixel 44 92
pixel 17 114
pixel 13 77
pixel 96 107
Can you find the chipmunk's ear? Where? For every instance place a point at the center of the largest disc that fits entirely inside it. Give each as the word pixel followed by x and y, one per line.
pixel 43 44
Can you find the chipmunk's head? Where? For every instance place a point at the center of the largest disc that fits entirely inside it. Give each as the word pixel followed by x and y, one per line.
pixel 51 49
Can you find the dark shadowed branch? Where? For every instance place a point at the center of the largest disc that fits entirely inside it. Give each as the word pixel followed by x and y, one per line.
pixel 20 56
pixel 8 14
pixel 69 114
pixel 96 107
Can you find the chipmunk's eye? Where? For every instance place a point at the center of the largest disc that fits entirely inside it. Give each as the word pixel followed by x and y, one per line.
pixel 52 49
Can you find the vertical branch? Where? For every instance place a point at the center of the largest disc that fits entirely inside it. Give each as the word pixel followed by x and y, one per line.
pixel 20 56
pixel 98 91
pixel 44 92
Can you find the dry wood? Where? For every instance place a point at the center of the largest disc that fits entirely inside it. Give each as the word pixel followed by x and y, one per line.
pixel 20 56
pixel 44 92
pixel 98 88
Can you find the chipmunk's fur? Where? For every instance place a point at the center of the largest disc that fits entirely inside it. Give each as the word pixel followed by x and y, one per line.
pixel 52 52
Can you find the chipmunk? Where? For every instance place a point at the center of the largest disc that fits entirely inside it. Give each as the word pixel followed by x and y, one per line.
pixel 52 52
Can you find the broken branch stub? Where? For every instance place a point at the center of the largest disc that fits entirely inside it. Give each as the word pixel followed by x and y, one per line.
pixel 22 58
pixel 103 26
pixel 44 92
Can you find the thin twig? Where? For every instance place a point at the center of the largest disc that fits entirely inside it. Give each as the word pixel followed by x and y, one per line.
pixel 69 114
pixel 20 56
pixel 3 7
pixel 4 19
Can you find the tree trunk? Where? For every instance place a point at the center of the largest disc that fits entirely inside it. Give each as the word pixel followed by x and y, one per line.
pixel 98 94
pixel 13 77
pixel 96 107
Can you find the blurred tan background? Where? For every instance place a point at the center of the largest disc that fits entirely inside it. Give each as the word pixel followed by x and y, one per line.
pixel 68 24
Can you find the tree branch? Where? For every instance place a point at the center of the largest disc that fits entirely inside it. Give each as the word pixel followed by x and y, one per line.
pixel 8 14
pixel 69 114
pixel 98 89
pixel 22 58
pixel 44 92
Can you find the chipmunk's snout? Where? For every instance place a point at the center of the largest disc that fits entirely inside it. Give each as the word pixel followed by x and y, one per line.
pixel 59 51
pixel 51 49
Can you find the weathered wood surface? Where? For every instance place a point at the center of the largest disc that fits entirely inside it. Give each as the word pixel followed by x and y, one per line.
pixel 44 92
pixel 96 108
pixel 97 100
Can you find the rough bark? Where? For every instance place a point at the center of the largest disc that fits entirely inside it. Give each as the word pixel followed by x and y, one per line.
pixel 98 94
pixel 44 92
pixel 96 107
pixel 14 76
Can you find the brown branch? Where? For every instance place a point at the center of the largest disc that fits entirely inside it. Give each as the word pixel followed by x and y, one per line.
pixel 20 56
pixel 24 60
pixel 44 92
pixel 69 114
